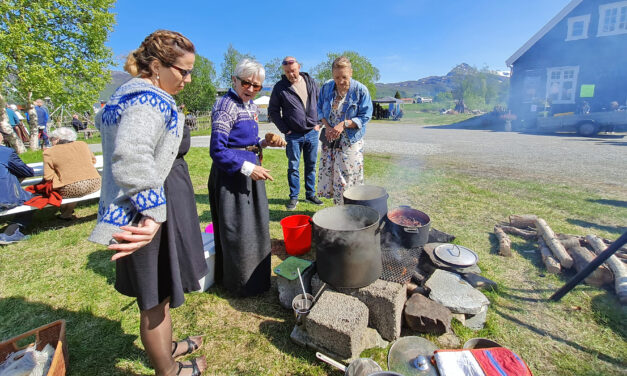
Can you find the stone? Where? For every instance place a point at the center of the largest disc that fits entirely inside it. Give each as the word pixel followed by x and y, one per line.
pixel 385 301
pixel 448 341
pixel 437 236
pixel 288 289
pixel 479 282
pixel 338 322
pixel 459 317
pixel 426 316
pixel 476 322
pixel 450 290
pixel 372 338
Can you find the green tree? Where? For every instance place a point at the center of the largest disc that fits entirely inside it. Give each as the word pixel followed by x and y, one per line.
pixel 55 49
pixel 397 95
pixel 200 94
pixel 274 70
pixel 363 70
pixel 231 58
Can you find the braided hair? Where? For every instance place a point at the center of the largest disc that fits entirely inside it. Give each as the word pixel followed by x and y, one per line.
pixel 163 45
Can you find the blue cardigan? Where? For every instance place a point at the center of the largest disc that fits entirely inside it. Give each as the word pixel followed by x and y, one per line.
pixel 12 168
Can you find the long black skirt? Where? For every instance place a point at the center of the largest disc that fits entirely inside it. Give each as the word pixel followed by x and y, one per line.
pixel 239 211
pixel 173 262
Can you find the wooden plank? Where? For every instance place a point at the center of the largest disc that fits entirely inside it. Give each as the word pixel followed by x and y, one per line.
pixel 26 208
pixel 617 266
pixel 554 244
pixel 505 244
pixel 523 221
pixel 582 257
pixel 552 265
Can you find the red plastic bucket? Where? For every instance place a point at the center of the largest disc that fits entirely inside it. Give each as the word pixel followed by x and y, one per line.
pixel 297 234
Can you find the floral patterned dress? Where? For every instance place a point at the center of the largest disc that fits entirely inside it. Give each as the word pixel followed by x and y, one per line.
pixel 343 166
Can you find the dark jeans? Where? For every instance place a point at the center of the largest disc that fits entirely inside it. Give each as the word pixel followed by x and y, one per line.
pixel 43 137
pixel 307 143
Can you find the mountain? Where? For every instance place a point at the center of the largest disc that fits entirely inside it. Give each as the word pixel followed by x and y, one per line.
pixel 117 79
pixel 432 85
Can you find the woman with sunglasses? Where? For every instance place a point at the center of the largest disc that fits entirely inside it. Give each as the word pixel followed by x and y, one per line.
pixel 147 211
pixel 237 191
pixel 344 107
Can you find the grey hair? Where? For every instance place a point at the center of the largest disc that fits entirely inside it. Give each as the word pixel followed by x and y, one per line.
pixel 247 68
pixel 64 134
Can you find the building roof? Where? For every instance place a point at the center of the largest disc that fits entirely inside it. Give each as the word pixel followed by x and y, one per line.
pixel 387 100
pixel 554 21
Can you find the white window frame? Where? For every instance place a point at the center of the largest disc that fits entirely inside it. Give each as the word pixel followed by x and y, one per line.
pixel 618 29
pixel 571 22
pixel 560 82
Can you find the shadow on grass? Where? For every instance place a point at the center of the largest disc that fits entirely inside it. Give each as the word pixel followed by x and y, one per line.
pixel 95 344
pixel 617 203
pixel 618 230
pixel 606 314
pixel 100 262
pixel 544 333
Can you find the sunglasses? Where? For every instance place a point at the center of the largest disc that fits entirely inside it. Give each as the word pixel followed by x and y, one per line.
pixel 288 62
pixel 183 72
pixel 246 84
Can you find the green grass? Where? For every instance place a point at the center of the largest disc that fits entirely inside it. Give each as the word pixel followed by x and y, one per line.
pixel 57 274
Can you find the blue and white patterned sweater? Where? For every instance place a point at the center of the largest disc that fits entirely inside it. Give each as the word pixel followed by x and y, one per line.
pixel 141 132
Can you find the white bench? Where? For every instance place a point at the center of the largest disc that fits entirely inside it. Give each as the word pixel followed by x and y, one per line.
pixel 38 167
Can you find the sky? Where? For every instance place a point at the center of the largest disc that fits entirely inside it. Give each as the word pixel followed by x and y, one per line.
pixel 405 39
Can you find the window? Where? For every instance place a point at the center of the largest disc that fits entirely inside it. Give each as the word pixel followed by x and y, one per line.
pixel 561 83
pixel 613 18
pixel 578 27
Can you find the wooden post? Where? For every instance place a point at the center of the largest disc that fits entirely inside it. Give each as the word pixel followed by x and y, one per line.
pixel 554 245
pixel 552 265
pixel 617 266
pixel 505 243
pixel 522 221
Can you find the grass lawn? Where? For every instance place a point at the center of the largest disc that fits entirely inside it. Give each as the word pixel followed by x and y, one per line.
pixel 57 274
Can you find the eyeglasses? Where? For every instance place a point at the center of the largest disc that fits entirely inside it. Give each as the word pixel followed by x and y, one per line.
pixel 183 72
pixel 288 62
pixel 246 84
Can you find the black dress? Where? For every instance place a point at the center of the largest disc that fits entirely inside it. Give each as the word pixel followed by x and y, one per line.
pixel 173 262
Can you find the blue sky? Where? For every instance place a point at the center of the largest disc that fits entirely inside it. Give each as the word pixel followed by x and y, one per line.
pixel 404 39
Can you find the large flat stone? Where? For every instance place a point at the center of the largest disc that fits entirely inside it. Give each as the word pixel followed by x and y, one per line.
pixel 450 290
pixel 338 322
pixel 426 316
pixel 476 322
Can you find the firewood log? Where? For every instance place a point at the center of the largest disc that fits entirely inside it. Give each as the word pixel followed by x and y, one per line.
pixel 505 244
pixel 569 241
pixel 523 221
pixel 619 269
pixel 552 265
pixel 525 234
pixel 554 244
pixel 582 257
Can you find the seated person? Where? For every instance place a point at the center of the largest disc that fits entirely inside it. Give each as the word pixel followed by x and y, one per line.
pixel 76 123
pixel 69 164
pixel 12 170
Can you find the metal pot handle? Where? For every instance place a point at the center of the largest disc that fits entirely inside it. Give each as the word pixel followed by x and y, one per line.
pixel 330 361
pixel 411 230
pixel 380 228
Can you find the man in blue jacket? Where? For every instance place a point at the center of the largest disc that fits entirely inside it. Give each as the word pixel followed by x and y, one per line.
pixel 293 109
pixel 42 121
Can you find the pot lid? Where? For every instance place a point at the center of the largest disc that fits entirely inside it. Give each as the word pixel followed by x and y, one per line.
pixel 456 255
pixel 412 356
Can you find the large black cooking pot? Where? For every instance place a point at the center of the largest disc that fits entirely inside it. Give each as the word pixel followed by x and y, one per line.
pixel 368 195
pixel 409 227
pixel 347 244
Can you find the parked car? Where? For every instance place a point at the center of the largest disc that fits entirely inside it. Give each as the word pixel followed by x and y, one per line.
pixel 585 124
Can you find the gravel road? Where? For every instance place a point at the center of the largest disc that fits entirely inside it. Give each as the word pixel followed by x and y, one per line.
pixel 598 162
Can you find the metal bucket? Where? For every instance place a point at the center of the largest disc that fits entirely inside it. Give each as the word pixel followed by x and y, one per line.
pixel 368 195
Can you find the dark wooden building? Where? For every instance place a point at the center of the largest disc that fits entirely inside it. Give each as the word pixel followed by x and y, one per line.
pixel 577 62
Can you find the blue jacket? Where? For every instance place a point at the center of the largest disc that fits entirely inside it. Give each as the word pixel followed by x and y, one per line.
pixel 13 119
pixel 42 116
pixel 287 110
pixel 357 107
pixel 12 168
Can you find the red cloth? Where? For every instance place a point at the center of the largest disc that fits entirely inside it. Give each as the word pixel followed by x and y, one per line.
pixel 46 195
pixel 499 361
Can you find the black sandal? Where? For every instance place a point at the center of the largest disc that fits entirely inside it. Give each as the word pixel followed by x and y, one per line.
pixel 191 347
pixel 193 366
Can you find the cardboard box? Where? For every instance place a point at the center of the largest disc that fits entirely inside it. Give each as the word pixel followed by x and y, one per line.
pixel 209 249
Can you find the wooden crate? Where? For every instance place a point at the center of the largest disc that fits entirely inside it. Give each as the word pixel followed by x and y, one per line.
pixel 53 334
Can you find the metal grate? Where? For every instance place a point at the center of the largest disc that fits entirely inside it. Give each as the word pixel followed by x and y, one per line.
pixel 399 264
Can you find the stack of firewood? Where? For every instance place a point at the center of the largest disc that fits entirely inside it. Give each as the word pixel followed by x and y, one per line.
pixel 562 251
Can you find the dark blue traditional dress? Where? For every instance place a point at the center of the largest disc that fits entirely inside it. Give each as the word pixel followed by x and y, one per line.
pixel 239 205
